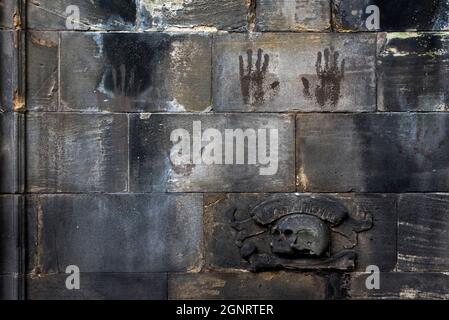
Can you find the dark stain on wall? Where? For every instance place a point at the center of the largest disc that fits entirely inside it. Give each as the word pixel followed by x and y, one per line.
pixel 415 78
pixel 131 62
pixel 398 15
pixel 403 153
pixel 401 14
pixel 125 9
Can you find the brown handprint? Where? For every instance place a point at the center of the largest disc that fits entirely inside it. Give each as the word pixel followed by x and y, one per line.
pixel 252 81
pixel 329 77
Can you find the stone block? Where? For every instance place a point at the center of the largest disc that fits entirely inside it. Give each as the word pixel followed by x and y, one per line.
pixel 129 72
pixel 229 15
pixel 11 130
pixel 402 285
pixel 9 287
pixel 9 234
pixel 293 15
pixel 9 14
pixel 412 72
pixel 72 152
pixel 93 14
pixel 178 153
pixel 11 98
pixel 114 233
pixel 275 72
pixel 42 71
pixel 423 242
pixel 373 152
pixel 398 15
pixel 246 286
pixel 100 286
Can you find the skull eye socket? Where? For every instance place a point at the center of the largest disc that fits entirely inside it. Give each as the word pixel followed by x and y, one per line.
pixel 288 232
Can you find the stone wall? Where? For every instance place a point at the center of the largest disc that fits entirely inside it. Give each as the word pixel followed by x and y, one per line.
pixel 87 116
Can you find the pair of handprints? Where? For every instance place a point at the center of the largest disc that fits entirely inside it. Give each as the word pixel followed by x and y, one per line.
pixel 327 91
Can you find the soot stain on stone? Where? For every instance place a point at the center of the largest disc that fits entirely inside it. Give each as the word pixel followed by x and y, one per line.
pixel 393 169
pixel 422 44
pixel 423 52
pixel 131 62
pixel 406 14
pixel 330 76
pixel 125 9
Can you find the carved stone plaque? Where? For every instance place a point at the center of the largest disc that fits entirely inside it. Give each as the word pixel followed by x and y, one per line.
pixel 310 232
pixel 286 233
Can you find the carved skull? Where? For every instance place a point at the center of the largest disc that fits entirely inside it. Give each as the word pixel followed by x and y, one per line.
pixel 300 234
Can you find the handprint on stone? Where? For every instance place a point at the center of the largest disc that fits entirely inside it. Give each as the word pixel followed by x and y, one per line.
pixel 327 91
pixel 128 72
pixel 253 82
pixel 130 65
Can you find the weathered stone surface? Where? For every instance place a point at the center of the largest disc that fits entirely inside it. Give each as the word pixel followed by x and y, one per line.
pixel 10 152
pixel 423 242
pixel 373 152
pixel 398 15
pixel 100 286
pixel 94 14
pixel 9 287
pixel 228 15
pixel 292 15
pixel 42 71
pixel 114 233
pixel 153 168
pixel 68 152
pixel 9 234
pixel 135 71
pixel 275 286
pixel 9 17
pixel 369 229
pixel 413 72
pixel 284 71
pixel 402 285
pixel 9 98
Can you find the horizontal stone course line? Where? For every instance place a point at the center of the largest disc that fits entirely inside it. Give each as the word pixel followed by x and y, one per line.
pixel 213 192
pixel 199 113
